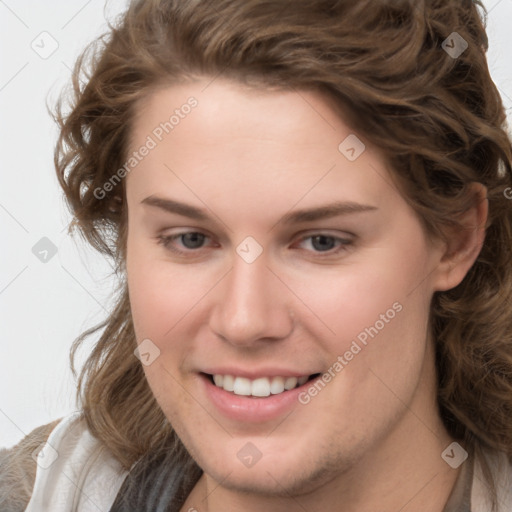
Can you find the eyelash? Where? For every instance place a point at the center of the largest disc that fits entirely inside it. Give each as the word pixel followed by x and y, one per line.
pixel 166 241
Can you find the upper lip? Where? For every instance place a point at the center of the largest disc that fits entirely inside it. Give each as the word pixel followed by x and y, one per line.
pixel 256 373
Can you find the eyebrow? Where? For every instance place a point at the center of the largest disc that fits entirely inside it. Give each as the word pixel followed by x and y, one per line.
pixel 172 206
pixel 294 217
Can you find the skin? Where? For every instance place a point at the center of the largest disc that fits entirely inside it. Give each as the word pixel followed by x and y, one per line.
pixel 372 438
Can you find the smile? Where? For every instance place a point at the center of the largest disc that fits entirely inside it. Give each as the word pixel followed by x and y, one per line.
pixel 260 387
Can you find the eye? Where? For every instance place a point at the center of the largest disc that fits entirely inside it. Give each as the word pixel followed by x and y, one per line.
pixel 190 240
pixel 323 243
pixel 190 243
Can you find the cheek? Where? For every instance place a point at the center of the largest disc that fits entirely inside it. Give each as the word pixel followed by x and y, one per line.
pixel 376 312
pixel 349 300
pixel 149 292
pixel 160 293
pixel 160 297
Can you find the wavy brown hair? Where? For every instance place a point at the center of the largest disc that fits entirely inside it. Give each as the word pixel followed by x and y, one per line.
pixel 438 120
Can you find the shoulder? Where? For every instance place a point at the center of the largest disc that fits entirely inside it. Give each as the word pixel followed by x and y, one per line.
pixel 18 469
pixel 76 472
pixel 73 470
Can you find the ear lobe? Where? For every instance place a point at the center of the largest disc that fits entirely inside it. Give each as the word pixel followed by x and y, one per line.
pixel 463 243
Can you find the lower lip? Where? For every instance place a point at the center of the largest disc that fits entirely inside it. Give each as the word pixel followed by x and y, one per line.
pixel 252 410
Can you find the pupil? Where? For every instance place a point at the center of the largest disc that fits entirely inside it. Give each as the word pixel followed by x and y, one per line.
pixel 322 242
pixel 192 240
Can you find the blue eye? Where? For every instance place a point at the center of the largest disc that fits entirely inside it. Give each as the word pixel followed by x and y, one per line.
pixel 190 243
pixel 190 240
pixel 322 243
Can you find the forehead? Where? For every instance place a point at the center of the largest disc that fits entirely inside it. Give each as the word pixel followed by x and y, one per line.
pixel 223 139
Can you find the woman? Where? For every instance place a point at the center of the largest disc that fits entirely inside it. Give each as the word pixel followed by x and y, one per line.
pixel 308 204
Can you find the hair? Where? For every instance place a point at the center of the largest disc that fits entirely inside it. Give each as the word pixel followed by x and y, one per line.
pixel 439 121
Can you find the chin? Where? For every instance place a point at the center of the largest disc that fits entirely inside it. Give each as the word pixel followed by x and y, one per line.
pixel 293 474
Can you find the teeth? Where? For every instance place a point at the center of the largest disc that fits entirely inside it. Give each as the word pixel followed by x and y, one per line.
pixel 302 380
pixel 228 382
pixel 290 383
pixel 242 386
pixel 262 387
pixel 277 385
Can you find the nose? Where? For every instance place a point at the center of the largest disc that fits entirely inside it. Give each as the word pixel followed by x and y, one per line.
pixel 252 305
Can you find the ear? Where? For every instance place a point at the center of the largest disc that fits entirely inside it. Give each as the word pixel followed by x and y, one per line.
pixel 463 244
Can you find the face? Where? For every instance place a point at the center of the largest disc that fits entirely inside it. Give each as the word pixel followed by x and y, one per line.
pixel 282 281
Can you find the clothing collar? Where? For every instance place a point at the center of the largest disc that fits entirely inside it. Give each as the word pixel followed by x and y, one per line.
pixel 460 497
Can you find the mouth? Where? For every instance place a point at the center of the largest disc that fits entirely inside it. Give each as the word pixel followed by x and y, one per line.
pixel 254 398
pixel 260 387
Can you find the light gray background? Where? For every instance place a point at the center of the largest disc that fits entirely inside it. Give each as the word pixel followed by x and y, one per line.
pixel 44 306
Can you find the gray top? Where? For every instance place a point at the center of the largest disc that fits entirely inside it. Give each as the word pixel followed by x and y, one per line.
pixel 460 497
